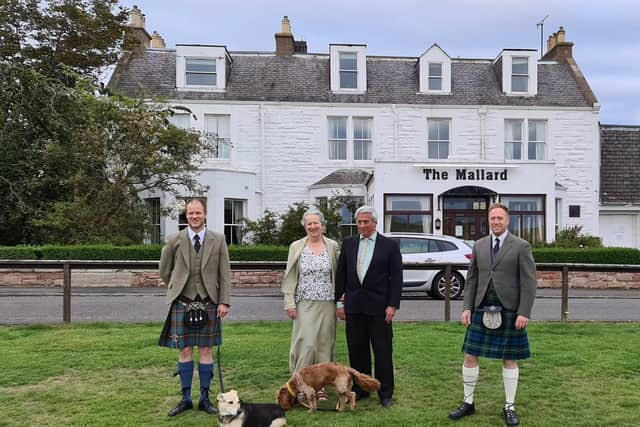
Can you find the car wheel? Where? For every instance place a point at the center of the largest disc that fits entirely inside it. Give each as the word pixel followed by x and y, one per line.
pixel 439 283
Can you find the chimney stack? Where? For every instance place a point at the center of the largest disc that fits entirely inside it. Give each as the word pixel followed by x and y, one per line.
pixel 157 41
pixel 140 38
pixel 558 48
pixel 286 45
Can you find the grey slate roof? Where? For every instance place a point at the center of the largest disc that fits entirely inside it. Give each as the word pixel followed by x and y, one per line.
pixel 345 177
pixel 306 78
pixel 620 165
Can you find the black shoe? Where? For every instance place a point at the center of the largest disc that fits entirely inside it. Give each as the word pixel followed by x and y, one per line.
pixel 360 395
pixel 206 406
pixel 510 417
pixel 386 402
pixel 462 411
pixel 182 406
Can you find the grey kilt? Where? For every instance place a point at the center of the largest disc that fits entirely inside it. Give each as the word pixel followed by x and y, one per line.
pixel 505 343
pixel 176 335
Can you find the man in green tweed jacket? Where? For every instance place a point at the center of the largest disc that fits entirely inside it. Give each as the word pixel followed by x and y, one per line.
pixel 194 265
pixel 498 297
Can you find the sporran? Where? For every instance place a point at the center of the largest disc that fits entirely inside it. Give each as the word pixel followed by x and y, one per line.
pixel 492 316
pixel 195 315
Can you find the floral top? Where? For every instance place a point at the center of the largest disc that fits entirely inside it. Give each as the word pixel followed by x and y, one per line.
pixel 314 278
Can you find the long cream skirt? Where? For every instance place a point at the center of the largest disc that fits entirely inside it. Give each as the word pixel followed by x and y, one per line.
pixel 313 339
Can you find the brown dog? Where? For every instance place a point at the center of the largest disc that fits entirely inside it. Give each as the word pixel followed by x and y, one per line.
pixel 312 378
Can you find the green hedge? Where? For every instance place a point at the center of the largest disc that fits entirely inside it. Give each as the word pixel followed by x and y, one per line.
pixel 138 253
pixel 279 253
pixel 587 255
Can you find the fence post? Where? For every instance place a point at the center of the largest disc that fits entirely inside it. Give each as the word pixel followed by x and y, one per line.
pixel 447 295
pixel 564 315
pixel 66 294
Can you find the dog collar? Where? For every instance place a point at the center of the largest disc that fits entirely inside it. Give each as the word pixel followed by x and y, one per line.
pixel 290 390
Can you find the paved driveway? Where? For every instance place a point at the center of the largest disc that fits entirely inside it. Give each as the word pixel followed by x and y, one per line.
pixel 44 305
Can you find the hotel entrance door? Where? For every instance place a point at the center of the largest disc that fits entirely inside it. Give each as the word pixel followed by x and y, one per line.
pixel 465 217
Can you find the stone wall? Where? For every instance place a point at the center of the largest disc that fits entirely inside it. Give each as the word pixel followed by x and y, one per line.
pixel 269 279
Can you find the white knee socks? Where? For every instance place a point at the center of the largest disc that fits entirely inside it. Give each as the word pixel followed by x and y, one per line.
pixel 469 380
pixel 510 378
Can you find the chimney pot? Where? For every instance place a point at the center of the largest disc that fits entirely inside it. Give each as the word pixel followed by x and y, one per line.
pixel 561 35
pixel 285 25
pixel 135 18
pixel 157 41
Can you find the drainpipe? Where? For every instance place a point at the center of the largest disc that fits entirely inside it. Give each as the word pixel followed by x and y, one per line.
pixel 262 144
pixel 395 131
pixel 482 112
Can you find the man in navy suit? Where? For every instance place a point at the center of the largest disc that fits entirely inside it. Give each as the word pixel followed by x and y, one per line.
pixel 368 288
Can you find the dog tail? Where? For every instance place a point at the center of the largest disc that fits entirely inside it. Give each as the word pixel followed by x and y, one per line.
pixel 365 382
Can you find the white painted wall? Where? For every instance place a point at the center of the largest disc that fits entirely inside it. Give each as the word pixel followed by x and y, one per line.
pixel 280 149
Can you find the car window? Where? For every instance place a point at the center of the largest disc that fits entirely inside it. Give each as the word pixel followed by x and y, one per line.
pixel 444 246
pixel 414 246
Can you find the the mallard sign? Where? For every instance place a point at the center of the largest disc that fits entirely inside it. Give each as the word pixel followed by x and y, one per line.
pixel 465 174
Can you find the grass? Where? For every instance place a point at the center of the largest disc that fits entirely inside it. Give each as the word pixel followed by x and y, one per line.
pixel 111 374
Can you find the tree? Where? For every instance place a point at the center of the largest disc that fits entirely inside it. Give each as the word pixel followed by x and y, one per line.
pixel 263 231
pixel 82 35
pixel 72 164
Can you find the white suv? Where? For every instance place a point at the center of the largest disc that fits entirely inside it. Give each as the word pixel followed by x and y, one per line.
pixel 430 248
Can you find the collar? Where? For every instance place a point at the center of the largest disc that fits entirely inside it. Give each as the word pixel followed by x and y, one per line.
pixel 225 419
pixel 500 237
pixel 372 237
pixel 290 390
pixel 200 233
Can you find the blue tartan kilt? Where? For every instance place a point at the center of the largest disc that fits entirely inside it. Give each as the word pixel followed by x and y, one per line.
pixel 176 335
pixel 505 343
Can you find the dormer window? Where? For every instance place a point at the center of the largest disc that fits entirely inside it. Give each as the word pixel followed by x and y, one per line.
pixel 348 68
pixel 202 68
pixel 201 72
pixel 519 74
pixel 435 76
pixel 435 71
pixel 517 70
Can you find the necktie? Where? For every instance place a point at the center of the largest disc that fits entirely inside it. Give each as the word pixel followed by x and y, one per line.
pixel 196 243
pixel 496 247
pixel 363 254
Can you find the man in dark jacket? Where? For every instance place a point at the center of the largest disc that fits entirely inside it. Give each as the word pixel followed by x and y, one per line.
pixel 368 288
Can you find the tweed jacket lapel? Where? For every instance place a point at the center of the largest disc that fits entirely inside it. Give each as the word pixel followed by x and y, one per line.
pixel 207 248
pixel 185 245
pixel 505 247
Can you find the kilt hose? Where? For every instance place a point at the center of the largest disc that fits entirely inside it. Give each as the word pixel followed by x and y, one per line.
pixel 506 342
pixel 176 335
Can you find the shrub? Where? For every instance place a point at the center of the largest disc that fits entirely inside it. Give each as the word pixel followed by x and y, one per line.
pixel 572 237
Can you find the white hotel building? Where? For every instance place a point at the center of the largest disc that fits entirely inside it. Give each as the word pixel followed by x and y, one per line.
pixel 429 141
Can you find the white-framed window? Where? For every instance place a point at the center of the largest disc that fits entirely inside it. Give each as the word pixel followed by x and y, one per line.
pixel 200 72
pixel 438 138
pixel 435 71
pixel 519 74
pixel 201 67
pixel 234 211
pixel 337 138
pixel 348 70
pixel 355 132
pixel 181 120
pixel 348 65
pixel 435 76
pixel 362 140
pixel 218 135
pixel 515 131
pixel 152 236
pixel 346 206
pixel 537 131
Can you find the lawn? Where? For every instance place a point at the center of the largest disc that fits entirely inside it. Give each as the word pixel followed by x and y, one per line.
pixel 581 374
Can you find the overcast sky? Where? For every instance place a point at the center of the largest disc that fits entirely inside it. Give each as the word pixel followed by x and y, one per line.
pixel 605 33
